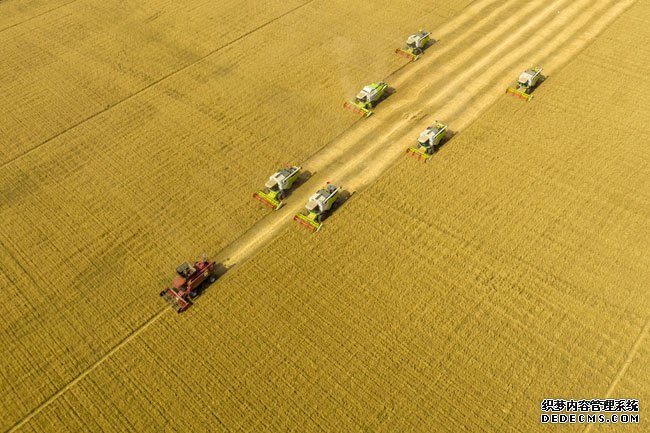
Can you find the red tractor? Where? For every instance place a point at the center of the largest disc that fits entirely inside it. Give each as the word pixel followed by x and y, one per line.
pixel 187 285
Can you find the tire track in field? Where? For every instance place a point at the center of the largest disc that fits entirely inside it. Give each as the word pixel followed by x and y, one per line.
pixel 38 15
pixel 153 83
pixel 86 372
pixel 626 364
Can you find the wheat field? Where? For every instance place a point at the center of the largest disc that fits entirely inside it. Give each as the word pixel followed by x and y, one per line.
pixel 447 296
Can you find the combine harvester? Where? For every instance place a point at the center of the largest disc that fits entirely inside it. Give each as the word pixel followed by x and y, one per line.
pixel 276 187
pixel 415 45
pixel 318 207
pixel 187 285
pixel 367 98
pixel 527 82
pixel 428 141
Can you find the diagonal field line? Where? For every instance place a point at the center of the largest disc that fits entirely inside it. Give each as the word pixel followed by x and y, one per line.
pixel 154 83
pixel 38 15
pixel 74 381
pixel 626 364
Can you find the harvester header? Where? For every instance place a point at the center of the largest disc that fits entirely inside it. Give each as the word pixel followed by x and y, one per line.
pixel 276 188
pixel 318 208
pixel 526 83
pixel 415 45
pixel 367 98
pixel 428 141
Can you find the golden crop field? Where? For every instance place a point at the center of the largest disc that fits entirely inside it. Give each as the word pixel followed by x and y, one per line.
pixel 448 296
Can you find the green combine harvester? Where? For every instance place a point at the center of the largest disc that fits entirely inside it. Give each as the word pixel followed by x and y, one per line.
pixel 318 207
pixel 428 141
pixel 367 98
pixel 527 82
pixel 415 45
pixel 276 187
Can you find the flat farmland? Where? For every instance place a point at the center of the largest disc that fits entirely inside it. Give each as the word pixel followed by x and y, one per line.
pixel 445 296
pixel 132 138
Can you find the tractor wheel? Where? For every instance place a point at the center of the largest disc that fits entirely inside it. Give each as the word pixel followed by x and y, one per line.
pixel 212 279
pixel 280 195
pixel 193 295
pixel 162 293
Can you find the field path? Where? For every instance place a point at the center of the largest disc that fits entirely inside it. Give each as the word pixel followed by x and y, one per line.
pixel 90 369
pixel 38 15
pixel 626 364
pixel 479 53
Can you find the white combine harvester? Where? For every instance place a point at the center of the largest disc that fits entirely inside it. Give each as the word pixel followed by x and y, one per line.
pixel 526 83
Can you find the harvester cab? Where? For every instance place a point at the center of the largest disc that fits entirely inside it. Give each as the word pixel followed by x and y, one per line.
pixel 276 187
pixel 415 45
pixel 185 270
pixel 188 284
pixel 318 208
pixel 527 81
pixel 367 98
pixel 428 141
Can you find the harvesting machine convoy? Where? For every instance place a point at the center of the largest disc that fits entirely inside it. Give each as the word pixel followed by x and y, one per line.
pixel 415 45
pixel 367 98
pixel 428 141
pixel 277 186
pixel 318 207
pixel 526 83
pixel 188 283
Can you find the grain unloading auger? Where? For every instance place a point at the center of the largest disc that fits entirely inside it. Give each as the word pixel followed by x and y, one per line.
pixel 367 98
pixel 526 83
pixel 428 141
pixel 276 187
pixel 415 45
pixel 318 207
pixel 188 284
